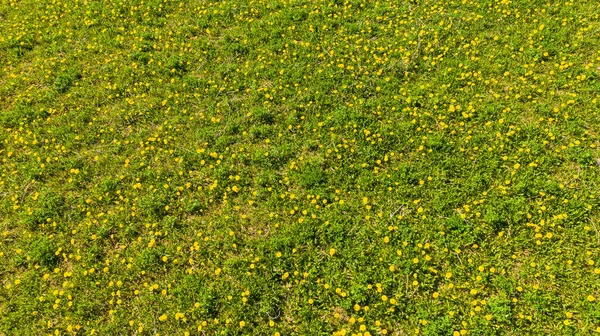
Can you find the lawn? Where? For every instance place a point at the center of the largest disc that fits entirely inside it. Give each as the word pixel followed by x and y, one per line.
pixel 296 167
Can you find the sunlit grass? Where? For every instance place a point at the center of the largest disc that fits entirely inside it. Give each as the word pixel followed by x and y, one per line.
pixel 299 167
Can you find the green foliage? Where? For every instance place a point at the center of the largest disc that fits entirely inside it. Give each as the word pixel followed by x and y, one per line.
pixel 42 252
pixel 299 167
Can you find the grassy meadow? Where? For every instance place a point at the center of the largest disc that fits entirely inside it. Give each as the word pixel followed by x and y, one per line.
pixel 299 167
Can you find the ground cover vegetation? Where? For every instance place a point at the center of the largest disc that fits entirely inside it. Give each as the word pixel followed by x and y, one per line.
pixel 299 167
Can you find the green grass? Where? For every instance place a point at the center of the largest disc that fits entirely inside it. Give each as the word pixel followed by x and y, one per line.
pixel 299 167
